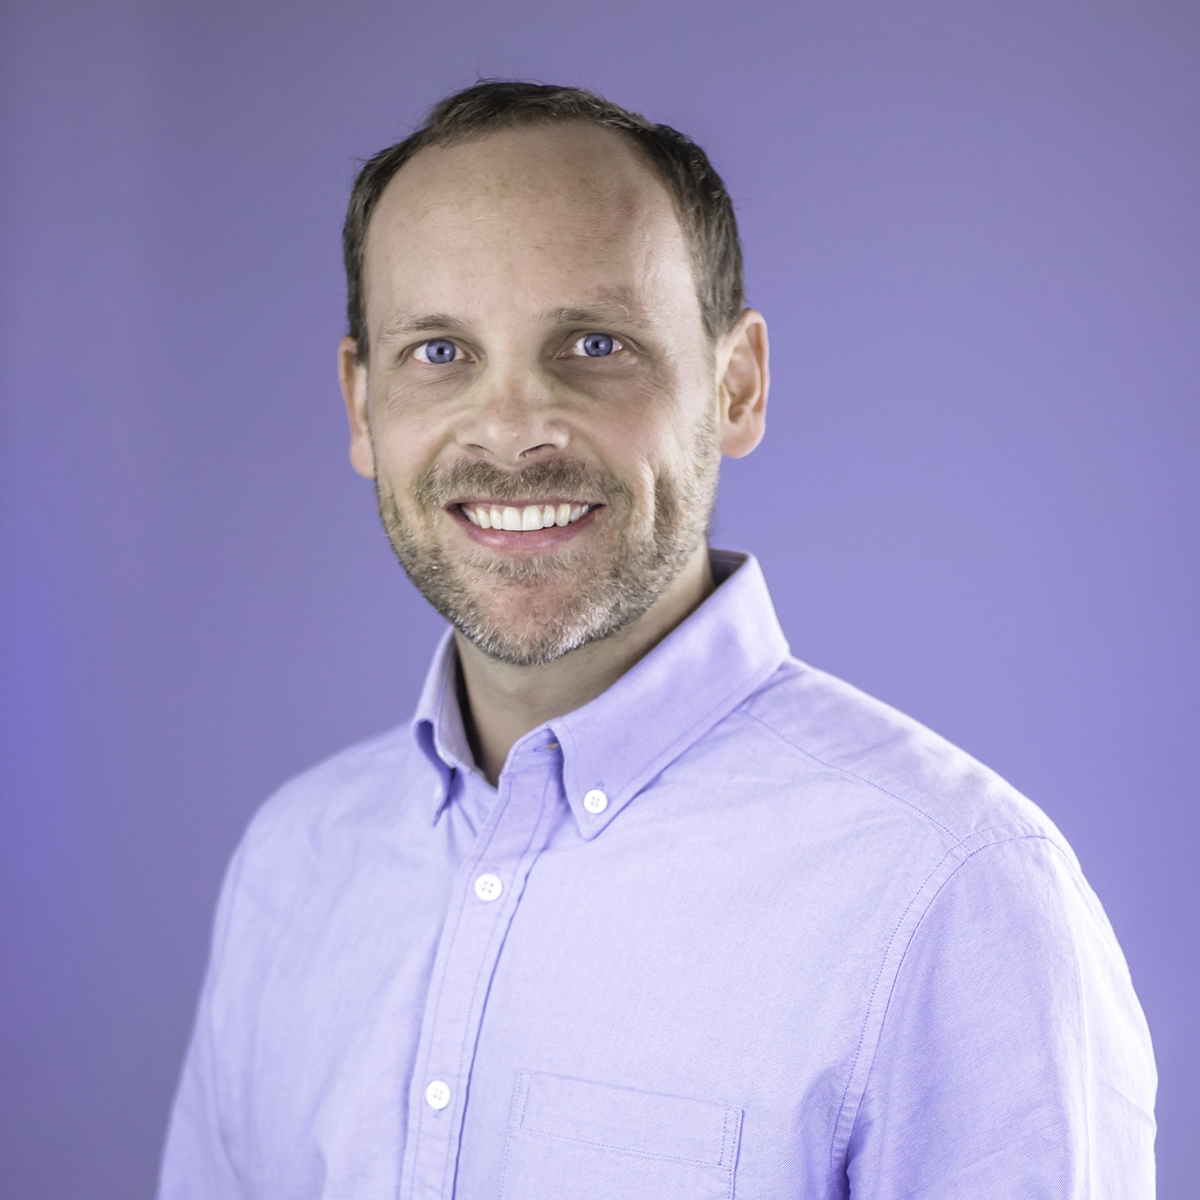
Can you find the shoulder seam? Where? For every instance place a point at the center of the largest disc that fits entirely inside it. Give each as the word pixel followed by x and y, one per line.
pixel 852 775
pixel 964 854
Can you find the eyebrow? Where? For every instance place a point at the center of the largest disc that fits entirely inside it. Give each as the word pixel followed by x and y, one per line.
pixel 604 313
pixel 600 314
pixel 400 327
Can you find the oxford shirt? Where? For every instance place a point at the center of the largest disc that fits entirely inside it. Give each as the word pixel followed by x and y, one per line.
pixel 732 928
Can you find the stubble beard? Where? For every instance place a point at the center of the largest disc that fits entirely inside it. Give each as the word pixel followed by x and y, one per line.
pixel 575 595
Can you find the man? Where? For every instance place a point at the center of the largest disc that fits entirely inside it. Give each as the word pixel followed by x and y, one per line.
pixel 639 905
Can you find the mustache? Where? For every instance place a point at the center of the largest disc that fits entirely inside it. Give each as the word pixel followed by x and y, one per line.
pixel 438 486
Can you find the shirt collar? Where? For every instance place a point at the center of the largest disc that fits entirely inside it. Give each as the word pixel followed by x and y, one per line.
pixel 438 725
pixel 706 666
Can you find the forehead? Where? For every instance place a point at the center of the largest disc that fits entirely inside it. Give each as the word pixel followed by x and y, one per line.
pixel 535 215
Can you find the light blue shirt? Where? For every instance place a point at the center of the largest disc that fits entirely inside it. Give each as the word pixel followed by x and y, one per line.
pixel 731 929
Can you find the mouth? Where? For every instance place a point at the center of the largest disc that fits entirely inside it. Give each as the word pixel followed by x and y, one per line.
pixel 528 517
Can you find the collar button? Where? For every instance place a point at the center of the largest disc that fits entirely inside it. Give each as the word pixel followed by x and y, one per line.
pixel 595 801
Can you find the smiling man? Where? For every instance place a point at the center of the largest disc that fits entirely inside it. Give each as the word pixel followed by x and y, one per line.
pixel 637 905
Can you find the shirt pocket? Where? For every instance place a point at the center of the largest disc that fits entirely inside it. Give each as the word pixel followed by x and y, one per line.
pixel 569 1139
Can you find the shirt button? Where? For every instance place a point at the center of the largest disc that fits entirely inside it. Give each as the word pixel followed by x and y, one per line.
pixel 595 801
pixel 488 886
pixel 437 1094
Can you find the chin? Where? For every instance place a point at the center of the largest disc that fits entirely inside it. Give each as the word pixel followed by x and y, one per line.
pixel 532 615
pixel 532 629
pixel 537 648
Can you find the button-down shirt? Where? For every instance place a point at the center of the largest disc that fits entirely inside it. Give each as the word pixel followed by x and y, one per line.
pixel 732 928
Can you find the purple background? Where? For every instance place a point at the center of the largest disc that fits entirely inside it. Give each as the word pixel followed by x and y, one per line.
pixel 974 230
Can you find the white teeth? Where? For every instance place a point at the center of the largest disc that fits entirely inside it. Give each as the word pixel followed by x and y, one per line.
pixel 524 520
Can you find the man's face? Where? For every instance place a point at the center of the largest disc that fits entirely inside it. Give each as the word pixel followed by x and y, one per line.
pixel 541 411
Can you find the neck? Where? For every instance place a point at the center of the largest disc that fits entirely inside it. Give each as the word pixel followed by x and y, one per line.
pixel 502 703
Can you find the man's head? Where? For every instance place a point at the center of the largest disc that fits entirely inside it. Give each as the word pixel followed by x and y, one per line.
pixel 546 316
pixel 704 208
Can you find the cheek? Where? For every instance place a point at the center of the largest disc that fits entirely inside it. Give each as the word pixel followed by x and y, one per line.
pixel 407 431
pixel 654 433
pixel 630 414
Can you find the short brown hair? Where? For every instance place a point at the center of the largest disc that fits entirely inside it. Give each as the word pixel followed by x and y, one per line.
pixel 705 210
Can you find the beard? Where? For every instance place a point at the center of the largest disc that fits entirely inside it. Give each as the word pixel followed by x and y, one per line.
pixel 573 596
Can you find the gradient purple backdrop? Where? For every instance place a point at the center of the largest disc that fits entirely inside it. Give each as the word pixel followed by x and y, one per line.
pixel 974 231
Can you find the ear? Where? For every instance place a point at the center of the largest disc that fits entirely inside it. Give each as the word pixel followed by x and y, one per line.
pixel 743 378
pixel 353 376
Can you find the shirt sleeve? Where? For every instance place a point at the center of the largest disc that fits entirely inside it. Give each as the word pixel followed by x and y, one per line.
pixel 197 1164
pixel 1013 1058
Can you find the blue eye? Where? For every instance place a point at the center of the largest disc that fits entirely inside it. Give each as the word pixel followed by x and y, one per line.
pixel 437 350
pixel 597 345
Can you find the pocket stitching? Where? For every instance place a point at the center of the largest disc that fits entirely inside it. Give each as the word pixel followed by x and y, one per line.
pixel 737 1114
pixel 522 1096
pixel 517 1126
pixel 719 1165
pixel 731 1136
pixel 517 1120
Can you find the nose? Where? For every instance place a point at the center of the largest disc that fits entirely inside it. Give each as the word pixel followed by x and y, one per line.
pixel 514 419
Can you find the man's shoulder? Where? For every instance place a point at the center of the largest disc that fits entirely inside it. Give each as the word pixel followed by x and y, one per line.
pixel 365 789
pixel 865 749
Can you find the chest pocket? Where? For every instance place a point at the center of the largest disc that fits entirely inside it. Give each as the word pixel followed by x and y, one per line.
pixel 574 1140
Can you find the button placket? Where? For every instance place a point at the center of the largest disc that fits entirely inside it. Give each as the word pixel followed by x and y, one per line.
pixel 486 894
